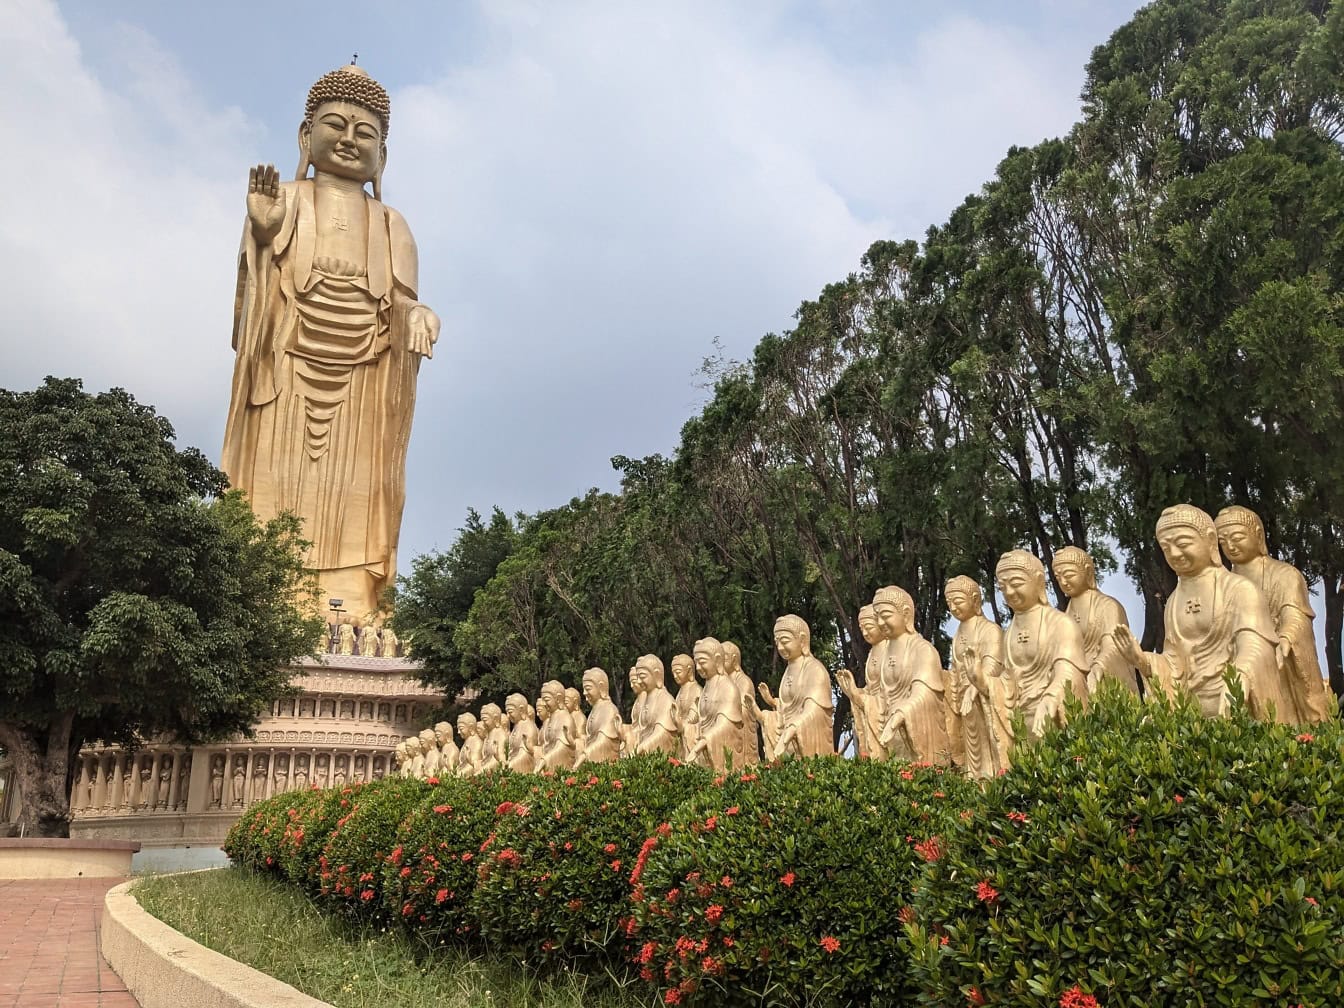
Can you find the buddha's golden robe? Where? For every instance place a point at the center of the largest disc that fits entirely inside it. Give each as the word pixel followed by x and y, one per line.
pixel 982 714
pixel 1043 656
pixel 603 733
pixel 324 385
pixel 688 700
pixel 657 724
pixel 806 705
pixel 1097 616
pixel 912 687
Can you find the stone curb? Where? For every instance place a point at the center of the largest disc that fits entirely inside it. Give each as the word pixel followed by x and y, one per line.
pixel 165 969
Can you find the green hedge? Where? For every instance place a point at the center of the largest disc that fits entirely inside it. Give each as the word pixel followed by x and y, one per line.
pixel 788 884
pixel 1146 855
pixel 554 880
pixel 1143 855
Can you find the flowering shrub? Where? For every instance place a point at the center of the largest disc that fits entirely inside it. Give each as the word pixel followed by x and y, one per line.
pixel 306 830
pixel 788 884
pixel 1145 855
pixel 429 874
pixel 554 880
pixel 350 866
pixel 263 838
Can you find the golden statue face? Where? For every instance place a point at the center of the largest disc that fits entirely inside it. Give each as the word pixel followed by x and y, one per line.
pixel 466 724
pixel 1239 543
pixel 1073 578
pixel 1187 550
pixel 869 628
pixel 788 644
pixel 892 618
pixel 1022 590
pixel 515 707
pixel 681 671
pixel 704 662
pixel 592 691
pixel 961 604
pixel 344 139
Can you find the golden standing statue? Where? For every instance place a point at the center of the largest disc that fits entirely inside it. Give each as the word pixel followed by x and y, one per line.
pixel 1213 618
pixel 659 730
pixel 866 701
pixel 329 336
pixel 1042 648
pixel 915 718
pixel 1097 616
pixel 978 691
pixel 805 705
pixel 1242 537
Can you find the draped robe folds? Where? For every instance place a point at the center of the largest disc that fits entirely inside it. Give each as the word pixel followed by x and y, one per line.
pixel 1043 654
pixel 469 756
pixel 749 752
pixel 688 699
pixel 806 706
pixel 522 740
pixel 984 722
pixel 558 753
pixel 912 688
pixel 720 722
pixel 658 730
pixel 1306 698
pixel 868 722
pixel 324 386
pixel 429 766
pixel 1097 617
pixel 494 754
pixel 603 731
pixel 1240 633
pixel 448 756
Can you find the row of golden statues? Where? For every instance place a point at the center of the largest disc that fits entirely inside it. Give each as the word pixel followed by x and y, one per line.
pixel 1256 617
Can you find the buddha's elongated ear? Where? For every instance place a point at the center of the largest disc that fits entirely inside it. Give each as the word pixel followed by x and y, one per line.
pixel 305 134
pixel 378 175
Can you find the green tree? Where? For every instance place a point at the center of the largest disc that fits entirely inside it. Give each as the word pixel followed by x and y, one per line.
pixel 134 599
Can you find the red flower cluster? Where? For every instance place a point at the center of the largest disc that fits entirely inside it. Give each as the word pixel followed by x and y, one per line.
pixel 986 893
pixel 788 878
pixel 830 943
pixel 1020 818
pixel 714 913
pixel 931 849
pixel 1075 998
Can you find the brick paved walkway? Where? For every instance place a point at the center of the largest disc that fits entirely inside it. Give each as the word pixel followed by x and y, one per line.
pixel 49 954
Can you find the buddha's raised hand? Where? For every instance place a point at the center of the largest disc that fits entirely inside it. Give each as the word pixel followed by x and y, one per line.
pixel 265 203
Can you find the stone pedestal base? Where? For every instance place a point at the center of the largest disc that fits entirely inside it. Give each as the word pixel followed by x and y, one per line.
pixel 73 858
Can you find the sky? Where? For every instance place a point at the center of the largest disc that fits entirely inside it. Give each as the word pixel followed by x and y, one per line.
pixel 601 193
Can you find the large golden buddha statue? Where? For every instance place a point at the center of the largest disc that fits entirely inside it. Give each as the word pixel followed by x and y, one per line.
pixel 1214 618
pixel 329 337
pixel 1242 537
pixel 1042 648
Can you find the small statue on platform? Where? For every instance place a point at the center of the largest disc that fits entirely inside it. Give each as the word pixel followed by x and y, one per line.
pixel 603 727
pixel 659 730
pixel 469 756
pixel 1042 648
pixel 146 798
pixel 387 641
pixel 429 754
pixel 261 773
pixel 524 735
pixel 805 703
pixel 345 637
pixel 368 639
pixel 978 691
pixel 866 702
pixel 216 782
pixel 301 773
pixel 1213 618
pixel 321 767
pixel 719 718
pixel 688 702
pixel 281 782
pixel 1097 616
pixel 239 780
pixel 1306 697
pixel 915 722
pixel 165 783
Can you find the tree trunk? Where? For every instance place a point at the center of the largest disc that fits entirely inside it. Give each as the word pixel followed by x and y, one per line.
pixel 42 773
pixel 1334 632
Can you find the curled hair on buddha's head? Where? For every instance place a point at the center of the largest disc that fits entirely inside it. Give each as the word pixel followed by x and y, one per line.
pixel 354 85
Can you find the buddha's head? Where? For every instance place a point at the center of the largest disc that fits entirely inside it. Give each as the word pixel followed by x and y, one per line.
pixel 964 600
pixel 632 677
pixel 1241 534
pixel 732 658
pixel 543 706
pixel 571 699
pixel 1074 570
pixel 443 733
pixel 649 668
pixel 596 686
pixel 428 740
pixel 412 745
pixel 683 669
pixel 344 128
pixel 515 705
pixel 466 726
pixel 1021 577
pixel 490 715
pixel 1188 538
pixel 895 611
pixel 793 637
pixel 708 656
pixel 868 626
pixel 553 692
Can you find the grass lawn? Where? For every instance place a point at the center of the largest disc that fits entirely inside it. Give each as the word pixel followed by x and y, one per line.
pixel 274 928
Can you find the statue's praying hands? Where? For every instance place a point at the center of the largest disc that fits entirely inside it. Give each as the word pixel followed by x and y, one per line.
pixel 265 203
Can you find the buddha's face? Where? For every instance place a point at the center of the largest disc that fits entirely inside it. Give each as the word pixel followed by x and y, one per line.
pixel 412 747
pixel 633 678
pixel 704 663
pixel 1073 578
pixel 788 643
pixel 443 733
pixel 1187 550
pixel 543 707
pixel 893 619
pixel 682 671
pixel 592 690
pixel 1022 590
pixel 639 679
pixel 427 739
pixel 961 605
pixel 872 633
pixel 466 725
pixel 515 709
pixel 571 700
pixel 554 699
pixel 1239 544
pixel 344 139
pixel 482 729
